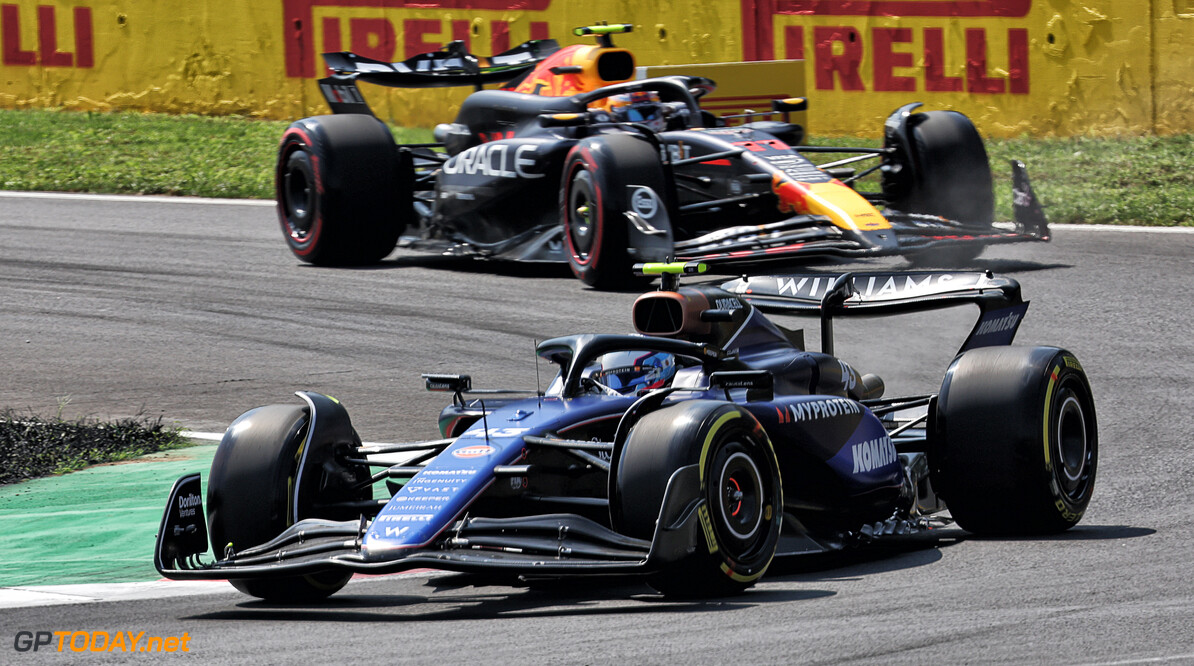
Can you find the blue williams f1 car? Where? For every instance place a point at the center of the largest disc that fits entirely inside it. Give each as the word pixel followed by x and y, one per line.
pixel 691 453
pixel 573 160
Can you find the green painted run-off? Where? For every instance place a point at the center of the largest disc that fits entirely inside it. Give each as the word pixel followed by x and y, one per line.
pixel 97 525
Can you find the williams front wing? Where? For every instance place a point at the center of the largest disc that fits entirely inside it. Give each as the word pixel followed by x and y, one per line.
pixel 542 545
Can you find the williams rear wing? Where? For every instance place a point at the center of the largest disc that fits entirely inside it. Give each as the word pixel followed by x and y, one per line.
pixel 882 293
pixel 451 66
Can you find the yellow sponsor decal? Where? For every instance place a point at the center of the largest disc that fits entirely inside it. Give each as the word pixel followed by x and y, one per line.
pixel 1045 425
pixel 1071 516
pixel 707 527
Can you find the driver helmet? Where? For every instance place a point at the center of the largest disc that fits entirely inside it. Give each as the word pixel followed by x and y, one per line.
pixel 638 107
pixel 630 371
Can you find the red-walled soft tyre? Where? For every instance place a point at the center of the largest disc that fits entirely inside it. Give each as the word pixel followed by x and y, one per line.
pixel 343 194
pixel 604 179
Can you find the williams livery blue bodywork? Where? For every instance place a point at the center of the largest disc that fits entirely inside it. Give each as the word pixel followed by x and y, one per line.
pixel 692 452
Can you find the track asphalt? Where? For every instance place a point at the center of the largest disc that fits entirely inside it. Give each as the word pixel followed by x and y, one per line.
pixel 96 525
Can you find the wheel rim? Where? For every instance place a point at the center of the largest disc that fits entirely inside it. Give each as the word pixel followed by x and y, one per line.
pixel 1073 446
pixel 582 211
pixel 297 197
pixel 740 497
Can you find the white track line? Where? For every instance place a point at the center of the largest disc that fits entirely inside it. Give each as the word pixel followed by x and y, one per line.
pixel 125 198
pixel 1008 226
pixel 1145 660
pixel 1122 227
pixel 55 595
pixel 191 434
pixel 52 595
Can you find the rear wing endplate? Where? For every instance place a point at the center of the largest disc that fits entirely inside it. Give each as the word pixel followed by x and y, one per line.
pixel 869 294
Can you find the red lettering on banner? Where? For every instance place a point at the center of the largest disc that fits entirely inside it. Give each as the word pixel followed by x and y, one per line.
pixel 460 33
pixel 957 8
pixel 84 40
pixel 794 42
pixel 500 39
pixel 47 54
pixel 935 78
pixel 886 59
pixel 372 38
pixel 298 18
pixel 844 65
pixel 331 35
pixel 47 39
pixel 413 33
pixel 1017 55
pixel 10 33
pixel 838 51
pixel 976 64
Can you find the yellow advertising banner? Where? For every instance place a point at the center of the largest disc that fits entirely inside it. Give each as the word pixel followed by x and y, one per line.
pixel 1014 66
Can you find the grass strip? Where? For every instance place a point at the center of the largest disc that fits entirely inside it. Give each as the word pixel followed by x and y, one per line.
pixel 32 447
pixel 143 153
pixel 1127 180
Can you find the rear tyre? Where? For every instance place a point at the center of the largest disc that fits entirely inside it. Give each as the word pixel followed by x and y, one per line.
pixel 344 194
pixel 1016 441
pixel 603 181
pixel 949 175
pixel 740 485
pixel 250 497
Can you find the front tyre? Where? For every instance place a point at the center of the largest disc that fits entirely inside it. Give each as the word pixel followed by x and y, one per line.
pixel 250 497
pixel 605 180
pixel 343 192
pixel 1016 444
pixel 739 484
pixel 943 170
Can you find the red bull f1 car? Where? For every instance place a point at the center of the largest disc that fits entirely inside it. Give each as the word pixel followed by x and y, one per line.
pixel 690 454
pixel 572 160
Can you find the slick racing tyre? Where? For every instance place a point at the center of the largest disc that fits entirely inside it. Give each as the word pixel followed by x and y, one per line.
pixel 250 495
pixel 604 179
pixel 739 484
pixel 947 174
pixel 1016 441
pixel 344 192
